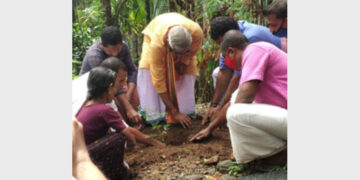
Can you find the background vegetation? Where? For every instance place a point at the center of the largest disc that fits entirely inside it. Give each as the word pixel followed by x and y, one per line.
pixel 131 16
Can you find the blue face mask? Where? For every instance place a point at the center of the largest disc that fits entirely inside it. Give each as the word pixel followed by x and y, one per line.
pixel 281 33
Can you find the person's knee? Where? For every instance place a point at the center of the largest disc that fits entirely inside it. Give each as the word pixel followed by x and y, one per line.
pixel 236 115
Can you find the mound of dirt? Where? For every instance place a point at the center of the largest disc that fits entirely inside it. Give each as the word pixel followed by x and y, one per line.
pixel 180 157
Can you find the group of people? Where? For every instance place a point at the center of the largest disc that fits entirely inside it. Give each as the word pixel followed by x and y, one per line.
pixel 250 82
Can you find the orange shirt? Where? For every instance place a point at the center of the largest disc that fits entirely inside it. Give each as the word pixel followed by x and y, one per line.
pixel 154 49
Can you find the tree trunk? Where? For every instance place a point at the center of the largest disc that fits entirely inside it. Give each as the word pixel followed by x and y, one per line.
pixel 74 16
pixel 172 6
pixel 108 16
pixel 206 21
pixel 115 19
pixel 147 8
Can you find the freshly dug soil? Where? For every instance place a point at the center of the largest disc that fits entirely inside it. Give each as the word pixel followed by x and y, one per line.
pixel 180 158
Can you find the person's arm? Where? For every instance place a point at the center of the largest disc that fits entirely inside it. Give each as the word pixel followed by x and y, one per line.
pixel 184 120
pixel 82 166
pixel 113 119
pixel 219 120
pixel 132 70
pixel 131 113
pixel 222 81
pixel 233 85
pixel 129 135
pixel 246 94
pixel 143 138
pixel 130 91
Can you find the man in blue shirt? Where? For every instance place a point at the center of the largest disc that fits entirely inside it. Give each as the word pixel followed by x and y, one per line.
pixel 276 14
pixel 224 76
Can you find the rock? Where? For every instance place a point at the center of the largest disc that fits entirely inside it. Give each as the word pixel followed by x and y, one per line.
pixel 181 175
pixel 212 160
pixel 148 171
pixel 163 156
pixel 223 166
pixel 210 170
pixel 197 162
pixel 179 171
pixel 193 177
pixel 207 177
pixel 227 177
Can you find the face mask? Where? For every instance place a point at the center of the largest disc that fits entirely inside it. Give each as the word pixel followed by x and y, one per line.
pixel 231 63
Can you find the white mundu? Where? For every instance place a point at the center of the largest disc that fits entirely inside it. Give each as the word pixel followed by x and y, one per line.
pixel 256 130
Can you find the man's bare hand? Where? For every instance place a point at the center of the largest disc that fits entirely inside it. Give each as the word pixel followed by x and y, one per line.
pixel 212 112
pixel 156 143
pixel 201 135
pixel 184 120
pixel 133 116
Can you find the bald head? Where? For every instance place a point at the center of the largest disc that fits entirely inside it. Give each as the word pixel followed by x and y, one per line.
pixel 179 39
pixel 234 39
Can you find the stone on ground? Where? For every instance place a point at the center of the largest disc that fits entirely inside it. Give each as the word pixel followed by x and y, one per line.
pixel 223 166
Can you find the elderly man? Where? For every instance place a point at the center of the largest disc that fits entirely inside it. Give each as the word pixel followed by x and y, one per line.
pixel 257 114
pixel 276 14
pixel 167 69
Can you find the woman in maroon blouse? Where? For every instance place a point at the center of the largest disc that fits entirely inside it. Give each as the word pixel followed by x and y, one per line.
pixel 97 117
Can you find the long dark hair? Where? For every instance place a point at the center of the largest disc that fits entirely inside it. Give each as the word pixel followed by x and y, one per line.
pixel 98 82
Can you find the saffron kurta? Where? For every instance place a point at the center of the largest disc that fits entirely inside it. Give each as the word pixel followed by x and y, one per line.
pixel 154 48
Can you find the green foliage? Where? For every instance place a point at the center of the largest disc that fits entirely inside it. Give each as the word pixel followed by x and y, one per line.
pixel 237 169
pixel 76 67
pixel 158 7
pixel 204 84
pixel 280 168
pixel 85 32
pixel 132 20
pixel 163 128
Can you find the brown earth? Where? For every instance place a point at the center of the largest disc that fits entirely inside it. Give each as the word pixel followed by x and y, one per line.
pixel 180 157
